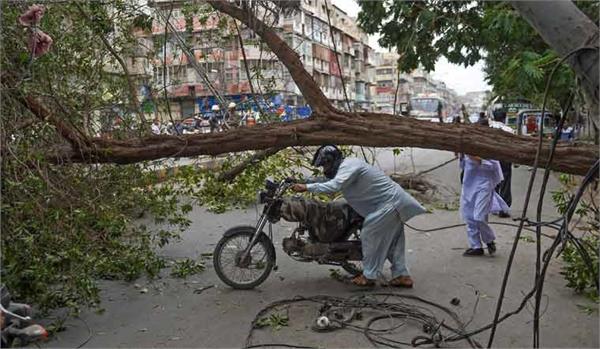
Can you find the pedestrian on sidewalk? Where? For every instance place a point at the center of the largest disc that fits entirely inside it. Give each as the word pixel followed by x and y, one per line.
pixel 477 200
pixel 381 201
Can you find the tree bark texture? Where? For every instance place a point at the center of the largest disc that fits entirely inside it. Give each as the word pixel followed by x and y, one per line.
pixel 565 28
pixel 326 125
pixel 382 130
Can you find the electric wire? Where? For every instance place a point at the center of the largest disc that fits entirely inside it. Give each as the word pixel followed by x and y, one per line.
pixel 538 243
pixel 435 331
pixel 526 204
pixel 460 334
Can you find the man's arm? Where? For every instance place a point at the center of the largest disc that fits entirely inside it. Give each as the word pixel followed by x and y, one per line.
pixel 485 164
pixel 343 176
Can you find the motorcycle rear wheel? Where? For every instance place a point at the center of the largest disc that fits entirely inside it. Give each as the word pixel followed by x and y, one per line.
pixel 243 274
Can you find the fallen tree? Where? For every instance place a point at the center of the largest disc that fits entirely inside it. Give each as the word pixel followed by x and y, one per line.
pixel 326 125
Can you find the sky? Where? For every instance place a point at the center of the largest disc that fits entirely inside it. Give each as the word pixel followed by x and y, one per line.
pixel 458 78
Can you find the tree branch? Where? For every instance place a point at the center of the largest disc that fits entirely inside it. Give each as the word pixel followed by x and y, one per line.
pixel 309 89
pixel 230 175
pixel 245 61
pixel 68 132
pixel 130 84
pixel 383 131
pixel 565 28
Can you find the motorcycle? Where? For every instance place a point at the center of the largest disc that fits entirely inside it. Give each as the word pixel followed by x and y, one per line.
pixel 16 322
pixel 245 256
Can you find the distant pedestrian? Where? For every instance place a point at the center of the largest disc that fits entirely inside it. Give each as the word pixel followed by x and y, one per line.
pixel 440 112
pixel 504 187
pixel 155 126
pixel 477 200
pixel 232 118
pixel 214 119
pixel 483 120
pixel 566 133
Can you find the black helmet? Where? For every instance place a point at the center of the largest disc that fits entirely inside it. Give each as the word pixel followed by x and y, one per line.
pixel 330 158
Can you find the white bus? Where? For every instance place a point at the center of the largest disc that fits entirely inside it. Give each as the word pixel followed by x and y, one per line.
pixel 428 108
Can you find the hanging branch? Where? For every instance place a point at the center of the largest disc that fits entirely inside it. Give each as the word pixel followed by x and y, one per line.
pixel 315 97
pixel 239 35
pixel 164 72
pixel 255 158
pixel 115 54
pixel 194 63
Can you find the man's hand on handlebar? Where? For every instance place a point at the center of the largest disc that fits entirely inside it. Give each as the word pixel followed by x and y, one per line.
pixel 299 188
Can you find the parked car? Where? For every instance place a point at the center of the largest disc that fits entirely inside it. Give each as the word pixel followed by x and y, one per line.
pixel 529 120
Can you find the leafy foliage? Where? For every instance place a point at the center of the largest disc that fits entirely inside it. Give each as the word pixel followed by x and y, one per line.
pixel 66 225
pixel 186 267
pixel 575 269
pixel 275 321
pixel 517 61
pixel 219 196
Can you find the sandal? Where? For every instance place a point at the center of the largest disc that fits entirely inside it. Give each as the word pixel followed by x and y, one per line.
pixel 362 281
pixel 402 281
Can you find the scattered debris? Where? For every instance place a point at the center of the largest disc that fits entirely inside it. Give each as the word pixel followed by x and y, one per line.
pixel 275 321
pixel 186 267
pixel 202 289
pixel 587 309
pixel 526 238
pixel 144 290
pixel 143 330
pixel 433 196
pixel 336 275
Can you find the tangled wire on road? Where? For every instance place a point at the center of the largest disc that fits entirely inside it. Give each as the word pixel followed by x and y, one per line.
pixel 342 312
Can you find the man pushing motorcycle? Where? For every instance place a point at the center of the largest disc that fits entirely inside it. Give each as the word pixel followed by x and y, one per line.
pixel 384 205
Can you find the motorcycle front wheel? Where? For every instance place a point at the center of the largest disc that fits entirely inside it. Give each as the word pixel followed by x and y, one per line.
pixel 239 272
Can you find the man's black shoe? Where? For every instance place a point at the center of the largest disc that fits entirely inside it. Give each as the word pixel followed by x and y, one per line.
pixel 491 247
pixel 504 214
pixel 473 252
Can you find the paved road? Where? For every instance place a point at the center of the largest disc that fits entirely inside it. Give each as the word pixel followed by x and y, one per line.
pixel 172 315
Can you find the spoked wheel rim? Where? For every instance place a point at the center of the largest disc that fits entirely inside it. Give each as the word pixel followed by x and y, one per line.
pixel 243 271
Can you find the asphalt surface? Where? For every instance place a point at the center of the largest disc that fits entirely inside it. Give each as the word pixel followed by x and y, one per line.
pixel 173 313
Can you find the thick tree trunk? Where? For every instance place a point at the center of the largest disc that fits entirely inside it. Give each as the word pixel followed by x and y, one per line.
pixel 565 28
pixel 327 125
pixel 340 128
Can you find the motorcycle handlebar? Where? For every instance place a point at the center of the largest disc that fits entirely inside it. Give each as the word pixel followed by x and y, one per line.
pixel 290 180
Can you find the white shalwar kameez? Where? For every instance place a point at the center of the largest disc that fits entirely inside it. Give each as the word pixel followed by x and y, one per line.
pixel 385 207
pixel 478 199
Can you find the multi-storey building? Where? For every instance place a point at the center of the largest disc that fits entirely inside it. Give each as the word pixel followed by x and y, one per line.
pixel 213 40
pixel 392 85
